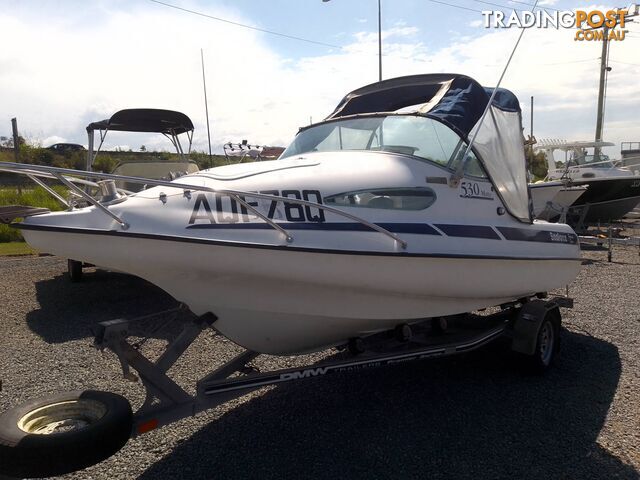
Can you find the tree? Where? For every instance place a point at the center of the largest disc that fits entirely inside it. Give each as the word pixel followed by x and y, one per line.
pixel 143 148
pixel 8 141
pixel 537 164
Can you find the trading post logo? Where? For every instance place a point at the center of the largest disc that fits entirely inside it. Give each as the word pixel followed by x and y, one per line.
pixel 592 25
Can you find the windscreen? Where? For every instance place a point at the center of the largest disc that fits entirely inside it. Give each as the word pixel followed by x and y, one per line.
pixel 413 135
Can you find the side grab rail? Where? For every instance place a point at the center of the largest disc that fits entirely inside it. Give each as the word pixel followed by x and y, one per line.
pixel 61 174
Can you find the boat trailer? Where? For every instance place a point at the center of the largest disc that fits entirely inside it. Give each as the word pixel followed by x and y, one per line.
pixel 74 430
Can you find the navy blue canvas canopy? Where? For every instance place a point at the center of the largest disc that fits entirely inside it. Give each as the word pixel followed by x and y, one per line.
pixel 456 100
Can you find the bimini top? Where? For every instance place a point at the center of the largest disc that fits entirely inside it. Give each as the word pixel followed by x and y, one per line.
pixel 145 120
pixel 458 101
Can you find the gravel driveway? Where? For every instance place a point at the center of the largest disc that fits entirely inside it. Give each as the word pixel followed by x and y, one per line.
pixel 470 417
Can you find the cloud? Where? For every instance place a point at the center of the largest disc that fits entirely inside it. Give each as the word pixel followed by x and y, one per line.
pixel 63 74
pixel 475 23
pixel 399 31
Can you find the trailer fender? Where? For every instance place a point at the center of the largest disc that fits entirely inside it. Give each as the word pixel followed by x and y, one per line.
pixel 527 325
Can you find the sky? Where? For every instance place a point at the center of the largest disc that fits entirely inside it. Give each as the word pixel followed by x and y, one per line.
pixel 64 64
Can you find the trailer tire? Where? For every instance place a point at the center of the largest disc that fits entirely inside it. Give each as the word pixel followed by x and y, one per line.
pixel 63 433
pixel 439 325
pixel 547 344
pixel 74 268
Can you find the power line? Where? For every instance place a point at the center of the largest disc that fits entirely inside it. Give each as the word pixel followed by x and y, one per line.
pixel 497 5
pixel 511 8
pixel 340 47
pixel 238 24
pixel 293 37
pixel 539 7
pixel 455 6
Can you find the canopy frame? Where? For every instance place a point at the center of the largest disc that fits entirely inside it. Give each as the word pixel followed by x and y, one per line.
pixel 169 123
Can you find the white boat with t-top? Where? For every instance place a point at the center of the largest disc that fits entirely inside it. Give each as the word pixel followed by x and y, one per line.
pixel 612 191
pixel 376 216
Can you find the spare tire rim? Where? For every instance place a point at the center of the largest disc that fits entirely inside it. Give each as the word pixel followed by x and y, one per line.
pixel 546 342
pixel 62 417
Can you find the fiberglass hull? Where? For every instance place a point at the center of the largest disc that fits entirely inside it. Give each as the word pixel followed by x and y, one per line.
pixel 607 198
pixel 335 278
pixel 285 301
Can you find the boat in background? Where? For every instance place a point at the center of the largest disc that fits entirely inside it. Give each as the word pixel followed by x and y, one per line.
pixel 630 156
pixel 244 151
pixel 173 125
pixel 612 191
pixel 552 199
pixel 378 216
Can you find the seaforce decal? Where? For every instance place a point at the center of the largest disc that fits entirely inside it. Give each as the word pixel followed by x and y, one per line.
pixel 215 208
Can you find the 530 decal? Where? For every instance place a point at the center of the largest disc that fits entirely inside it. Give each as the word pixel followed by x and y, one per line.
pixel 224 209
pixel 475 190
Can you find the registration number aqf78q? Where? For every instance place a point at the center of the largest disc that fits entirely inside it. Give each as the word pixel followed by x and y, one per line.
pixel 217 208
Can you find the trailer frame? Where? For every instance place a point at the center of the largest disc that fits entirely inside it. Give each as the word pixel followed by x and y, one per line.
pixel 167 402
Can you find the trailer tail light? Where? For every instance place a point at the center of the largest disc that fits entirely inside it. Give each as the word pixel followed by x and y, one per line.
pixel 147 426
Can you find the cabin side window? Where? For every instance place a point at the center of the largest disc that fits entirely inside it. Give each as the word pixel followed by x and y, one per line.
pixel 385 198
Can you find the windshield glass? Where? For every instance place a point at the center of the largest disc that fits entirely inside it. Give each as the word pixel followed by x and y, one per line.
pixel 596 161
pixel 413 135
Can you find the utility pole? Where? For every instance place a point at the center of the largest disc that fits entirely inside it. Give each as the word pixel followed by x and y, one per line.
pixel 379 41
pixel 604 69
pixel 16 148
pixel 531 140
pixel 16 137
pixel 531 129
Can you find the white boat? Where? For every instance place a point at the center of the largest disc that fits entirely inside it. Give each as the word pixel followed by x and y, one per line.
pixel 370 219
pixel 612 191
pixel 173 125
pixel 630 156
pixel 552 199
pixel 542 195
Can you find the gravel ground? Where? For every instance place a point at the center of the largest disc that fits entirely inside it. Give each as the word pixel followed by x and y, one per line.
pixel 475 416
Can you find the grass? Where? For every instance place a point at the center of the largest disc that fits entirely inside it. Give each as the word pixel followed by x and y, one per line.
pixel 16 248
pixel 34 197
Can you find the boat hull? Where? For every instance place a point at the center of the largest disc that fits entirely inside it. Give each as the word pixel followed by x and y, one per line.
pixel 281 300
pixel 607 198
pixel 561 203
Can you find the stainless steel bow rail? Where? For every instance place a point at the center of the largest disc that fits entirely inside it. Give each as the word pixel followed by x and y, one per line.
pixel 68 177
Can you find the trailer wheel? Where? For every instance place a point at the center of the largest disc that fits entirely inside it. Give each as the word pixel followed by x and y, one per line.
pixel 547 344
pixel 63 433
pixel 439 325
pixel 74 268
